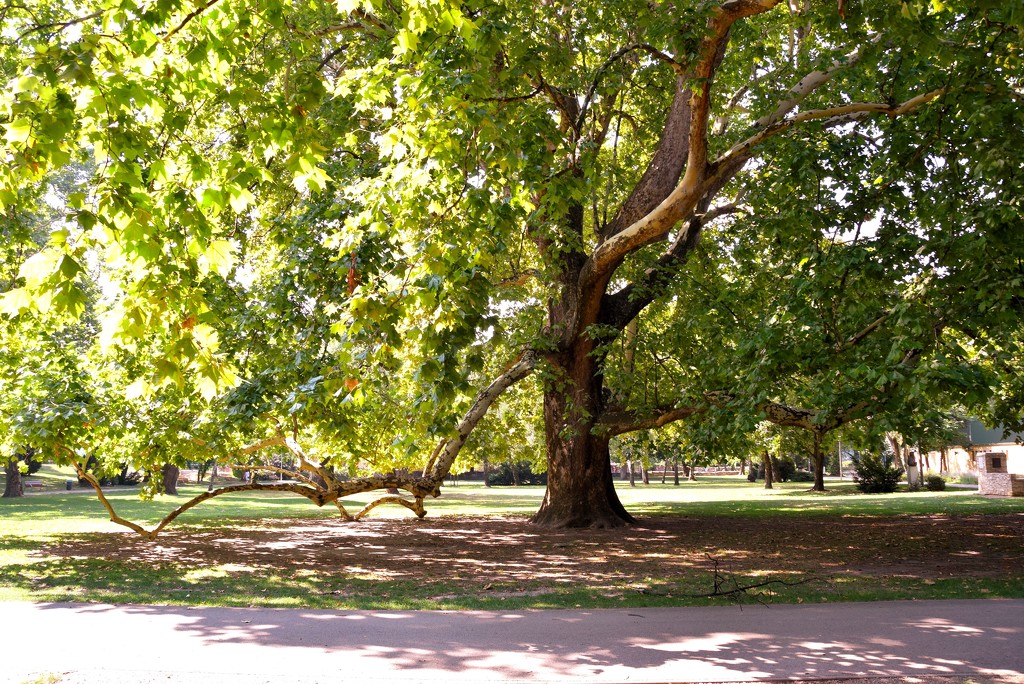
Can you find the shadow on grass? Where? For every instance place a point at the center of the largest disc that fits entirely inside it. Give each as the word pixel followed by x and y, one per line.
pixel 493 562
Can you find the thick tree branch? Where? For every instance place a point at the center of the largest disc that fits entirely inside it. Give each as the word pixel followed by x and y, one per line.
pixel 621 422
pixel 811 82
pixel 861 335
pixel 741 151
pixel 518 279
pixel 620 308
pixel 420 487
pixel 682 200
pixel 277 440
pixel 441 462
pixel 308 492
pixel 819 422
pixel 416 506
pixel 362 20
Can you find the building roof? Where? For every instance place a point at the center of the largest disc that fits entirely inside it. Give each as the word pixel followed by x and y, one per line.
pixel 976 433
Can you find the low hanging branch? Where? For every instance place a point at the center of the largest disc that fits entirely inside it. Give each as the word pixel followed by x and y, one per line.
pixel 333 490
pixel 416 506
pixel 303 490
pixel 444 456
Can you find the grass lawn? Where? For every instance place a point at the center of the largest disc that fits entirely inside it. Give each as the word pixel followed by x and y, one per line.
pixel 476 549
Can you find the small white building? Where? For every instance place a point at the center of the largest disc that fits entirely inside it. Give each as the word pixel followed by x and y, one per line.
pixel 962 458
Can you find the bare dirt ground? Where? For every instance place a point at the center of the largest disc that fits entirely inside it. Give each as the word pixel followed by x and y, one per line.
pixel 498 554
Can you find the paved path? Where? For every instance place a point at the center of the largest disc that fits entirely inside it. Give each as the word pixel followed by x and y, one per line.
pixel 138 644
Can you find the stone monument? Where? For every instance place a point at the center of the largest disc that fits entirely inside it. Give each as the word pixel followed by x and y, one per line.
pixel 994 480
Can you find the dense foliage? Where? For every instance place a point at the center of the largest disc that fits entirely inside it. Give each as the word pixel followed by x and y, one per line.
pixel 310 233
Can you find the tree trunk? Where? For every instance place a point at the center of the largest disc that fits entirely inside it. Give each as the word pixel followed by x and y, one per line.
pixel 664 472
pixel 644 475
pixel 692 477
pixel 819 465
pixel 743 467
pixel 487 473
pixel 632 472
pixel 766 460
pixel 14 486
pixel 580 490
pixel 894 442
pixel 169 473
pixel 675 475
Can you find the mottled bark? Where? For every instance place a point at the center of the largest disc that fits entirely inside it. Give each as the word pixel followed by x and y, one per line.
pixel 769 474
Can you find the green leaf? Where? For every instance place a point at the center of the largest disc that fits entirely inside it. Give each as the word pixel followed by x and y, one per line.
pixel 69 268
pixel 407 41
pixel 221 256
pixel 207 387
pixel 18 131
pixel 38 267
pixel 240 199
pixel 136 390
pixel 15 302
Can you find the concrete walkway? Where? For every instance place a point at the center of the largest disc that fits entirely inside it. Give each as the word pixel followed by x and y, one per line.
pixel 101 643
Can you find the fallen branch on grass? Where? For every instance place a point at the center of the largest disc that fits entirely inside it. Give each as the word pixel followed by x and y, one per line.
pixel 729 586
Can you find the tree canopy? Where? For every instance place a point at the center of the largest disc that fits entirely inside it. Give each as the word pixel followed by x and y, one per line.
pixel 322 239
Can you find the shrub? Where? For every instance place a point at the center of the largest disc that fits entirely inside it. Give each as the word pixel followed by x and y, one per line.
pixel 753 473
pixel 934 483
pixel 874 475
pixel 802 476
pixel 502 476
pixel 784 468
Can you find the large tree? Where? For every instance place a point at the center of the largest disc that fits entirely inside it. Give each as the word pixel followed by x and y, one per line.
pixel 786 208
